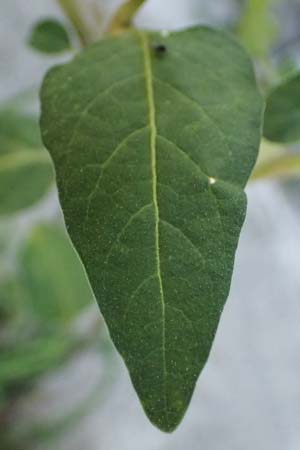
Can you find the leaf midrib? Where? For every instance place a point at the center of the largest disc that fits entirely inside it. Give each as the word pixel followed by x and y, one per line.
pixel 153 138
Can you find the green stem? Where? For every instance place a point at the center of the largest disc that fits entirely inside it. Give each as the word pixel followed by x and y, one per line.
pixel 280 167
pixel 71 10
pixel 123 17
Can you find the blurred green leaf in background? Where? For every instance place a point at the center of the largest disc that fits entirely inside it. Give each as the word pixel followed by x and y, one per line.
pixel 38 306
pixel 53 276
pixel 50 36
pixel 26 172
pixel 282 116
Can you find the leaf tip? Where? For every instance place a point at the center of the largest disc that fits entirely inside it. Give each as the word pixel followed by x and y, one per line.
pixel 168 418
pixel 166 422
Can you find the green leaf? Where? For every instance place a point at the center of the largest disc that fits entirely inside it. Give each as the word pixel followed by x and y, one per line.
pixel 26 351
pixel 282 116
pixel 153 139
pixel 25 168
pixel 53 277
pixel 38 305
pixel 50 36
pixel 32 358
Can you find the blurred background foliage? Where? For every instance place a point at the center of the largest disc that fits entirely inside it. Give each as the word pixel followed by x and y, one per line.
pixel 47 309
pixel 41 299
pixel 24 162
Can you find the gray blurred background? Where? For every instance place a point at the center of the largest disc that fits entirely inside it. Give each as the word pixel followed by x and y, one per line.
pixel 248 396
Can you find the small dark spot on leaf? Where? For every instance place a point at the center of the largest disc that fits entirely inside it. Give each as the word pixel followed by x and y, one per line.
pixel 160 49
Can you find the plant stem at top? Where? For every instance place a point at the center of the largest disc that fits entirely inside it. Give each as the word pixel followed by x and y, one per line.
pixel 70 8
pixel 123 17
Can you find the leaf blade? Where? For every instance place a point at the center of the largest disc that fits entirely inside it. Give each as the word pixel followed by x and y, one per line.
pixel 168 165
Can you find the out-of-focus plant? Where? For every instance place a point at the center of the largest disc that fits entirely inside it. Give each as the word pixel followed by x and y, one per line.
pixel 26 171
pixel 257 28
pixel 39 302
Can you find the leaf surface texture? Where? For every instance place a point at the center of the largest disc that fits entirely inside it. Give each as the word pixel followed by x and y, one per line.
pixel 153 139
